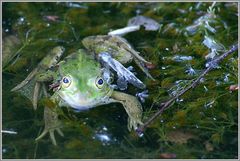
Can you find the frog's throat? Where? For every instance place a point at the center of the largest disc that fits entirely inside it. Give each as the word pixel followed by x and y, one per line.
pixel 100 101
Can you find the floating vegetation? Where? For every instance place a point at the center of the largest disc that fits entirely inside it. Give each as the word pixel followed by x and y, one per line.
pixel 213 46
pixel 203 22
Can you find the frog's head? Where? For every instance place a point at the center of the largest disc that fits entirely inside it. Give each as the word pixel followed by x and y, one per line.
pixel 82 85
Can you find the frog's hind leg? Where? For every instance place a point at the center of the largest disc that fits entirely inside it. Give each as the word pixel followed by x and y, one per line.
pixel 132 106
pixel 52 123
pixel 140 61
pixel 143 68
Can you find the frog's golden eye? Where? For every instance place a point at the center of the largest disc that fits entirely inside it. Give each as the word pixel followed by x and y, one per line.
pixel 66 81
pixel 99 82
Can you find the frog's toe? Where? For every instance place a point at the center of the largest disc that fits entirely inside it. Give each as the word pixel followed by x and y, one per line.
pixel 41 135
pixel 59 131
pixel 51 134
pixel 133 124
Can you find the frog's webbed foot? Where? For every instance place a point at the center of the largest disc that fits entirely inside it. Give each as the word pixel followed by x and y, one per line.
pixel 52 124
pixel 26 80
pixel 29 82
pixel 133 108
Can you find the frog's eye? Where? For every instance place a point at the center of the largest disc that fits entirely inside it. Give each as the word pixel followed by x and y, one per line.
pixel 66 81
pixel 99 82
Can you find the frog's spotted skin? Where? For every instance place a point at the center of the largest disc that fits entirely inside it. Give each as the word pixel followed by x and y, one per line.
pixel 118 47
pixel 81 83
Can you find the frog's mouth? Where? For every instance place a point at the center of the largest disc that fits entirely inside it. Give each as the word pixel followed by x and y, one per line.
pixel 55 86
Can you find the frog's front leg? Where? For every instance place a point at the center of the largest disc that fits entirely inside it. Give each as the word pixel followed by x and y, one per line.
pixel 40 79
pixel 52 123
pixel 132 106
pixel 49 61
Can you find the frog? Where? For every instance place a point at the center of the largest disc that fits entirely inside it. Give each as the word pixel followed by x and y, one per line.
pixel 79 81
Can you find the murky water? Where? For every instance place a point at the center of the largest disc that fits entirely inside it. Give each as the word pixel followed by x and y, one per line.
pixel 201 124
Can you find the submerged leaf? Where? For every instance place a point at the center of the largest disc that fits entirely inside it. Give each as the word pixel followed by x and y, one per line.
pixel 208 146
pixel 179 137
pixel 168 155
pixel 216 138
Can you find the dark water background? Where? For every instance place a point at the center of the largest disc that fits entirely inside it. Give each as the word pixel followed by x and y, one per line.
pixel 201 124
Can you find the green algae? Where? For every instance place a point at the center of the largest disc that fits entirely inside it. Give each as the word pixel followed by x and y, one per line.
pixel 208 111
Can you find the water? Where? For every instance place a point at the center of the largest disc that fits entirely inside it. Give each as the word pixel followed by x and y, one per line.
pixel 204 120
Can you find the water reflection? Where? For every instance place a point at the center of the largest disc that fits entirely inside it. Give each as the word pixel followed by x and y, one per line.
pixel 102 134
pixel 9 131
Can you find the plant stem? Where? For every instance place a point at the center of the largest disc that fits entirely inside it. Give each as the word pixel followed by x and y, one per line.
pixel 211 65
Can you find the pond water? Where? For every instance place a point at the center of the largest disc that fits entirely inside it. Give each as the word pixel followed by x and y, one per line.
pixel 202 123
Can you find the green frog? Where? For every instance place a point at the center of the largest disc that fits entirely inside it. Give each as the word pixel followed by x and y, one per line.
pixel 79 81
